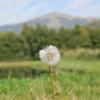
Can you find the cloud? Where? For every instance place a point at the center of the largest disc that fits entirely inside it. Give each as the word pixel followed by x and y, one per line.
pixel 83 7
pixel 21 3
pixel 37 8
pixel 13 3
pixel 78 4
pixel 17 11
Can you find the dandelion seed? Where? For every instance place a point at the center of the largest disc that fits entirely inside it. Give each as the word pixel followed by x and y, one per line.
pixel 50 55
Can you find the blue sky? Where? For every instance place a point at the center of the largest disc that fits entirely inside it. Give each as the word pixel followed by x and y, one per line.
pixel 15 11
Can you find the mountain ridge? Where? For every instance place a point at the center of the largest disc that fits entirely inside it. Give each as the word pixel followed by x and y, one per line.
pixel 52 20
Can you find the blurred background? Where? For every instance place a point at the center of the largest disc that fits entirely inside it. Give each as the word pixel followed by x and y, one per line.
pixel 27 26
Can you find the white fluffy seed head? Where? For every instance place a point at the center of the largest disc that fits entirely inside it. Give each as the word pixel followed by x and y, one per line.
pixel 50 55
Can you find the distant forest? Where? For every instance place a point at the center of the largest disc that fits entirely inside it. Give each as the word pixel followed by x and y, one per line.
pixel 30 40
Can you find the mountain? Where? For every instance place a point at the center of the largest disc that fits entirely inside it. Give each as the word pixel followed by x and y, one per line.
pixel 52 20
pixel 94 24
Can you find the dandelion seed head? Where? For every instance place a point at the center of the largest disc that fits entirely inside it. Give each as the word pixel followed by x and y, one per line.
pixel 50 55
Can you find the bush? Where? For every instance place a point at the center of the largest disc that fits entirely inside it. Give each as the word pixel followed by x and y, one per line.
pixel 13 47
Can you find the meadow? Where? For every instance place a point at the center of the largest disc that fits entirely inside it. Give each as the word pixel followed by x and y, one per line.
pixel 74 79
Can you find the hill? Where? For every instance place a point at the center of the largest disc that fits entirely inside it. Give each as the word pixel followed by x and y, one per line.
pixel 53 20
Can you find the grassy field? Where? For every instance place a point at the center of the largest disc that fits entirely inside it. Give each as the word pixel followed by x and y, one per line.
pixel 76 79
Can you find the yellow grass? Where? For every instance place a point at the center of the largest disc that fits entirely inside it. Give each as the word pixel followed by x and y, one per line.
pixel 15 64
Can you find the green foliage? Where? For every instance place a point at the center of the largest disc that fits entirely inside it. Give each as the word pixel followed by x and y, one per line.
pixel 31 39
pixel 12 47
pixel 95 38
pixel 75 78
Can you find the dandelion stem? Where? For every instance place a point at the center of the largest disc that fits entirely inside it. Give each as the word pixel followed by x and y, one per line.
pixel 10 74
pixel 50 75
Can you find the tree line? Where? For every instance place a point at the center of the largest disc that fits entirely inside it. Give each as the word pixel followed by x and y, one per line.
pixel 30 40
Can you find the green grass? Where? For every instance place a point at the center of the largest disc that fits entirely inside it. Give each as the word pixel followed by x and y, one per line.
pixel 77 79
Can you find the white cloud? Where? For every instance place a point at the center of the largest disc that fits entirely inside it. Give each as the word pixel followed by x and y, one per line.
pixel 14 3
pixel 17 11
pixel 37 8
pixel 78 4
pixel 83 7
pixel 21 3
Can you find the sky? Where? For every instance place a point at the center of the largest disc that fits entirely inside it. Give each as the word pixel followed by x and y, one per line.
pixel 16 11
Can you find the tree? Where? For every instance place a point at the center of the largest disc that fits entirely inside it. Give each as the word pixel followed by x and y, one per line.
pixel 12 47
